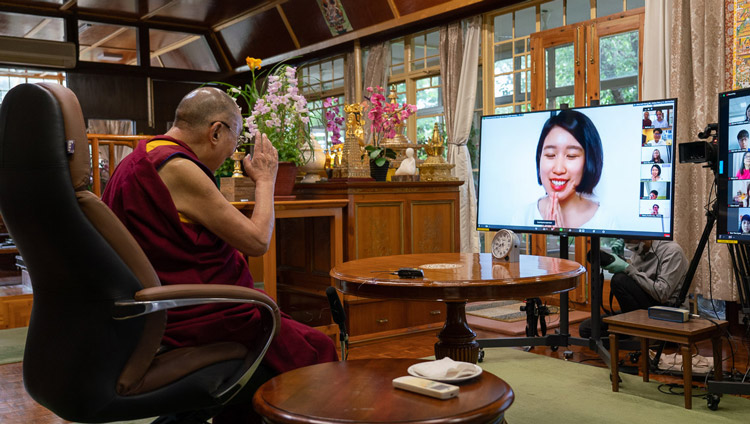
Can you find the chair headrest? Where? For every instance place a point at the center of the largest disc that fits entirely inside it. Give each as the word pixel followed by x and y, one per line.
pixel 75 131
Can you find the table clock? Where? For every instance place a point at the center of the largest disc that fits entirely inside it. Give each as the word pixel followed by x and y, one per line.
pixel 506 246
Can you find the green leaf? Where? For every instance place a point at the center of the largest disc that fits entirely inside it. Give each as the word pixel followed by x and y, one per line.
pixel 379 161
pixel 375 154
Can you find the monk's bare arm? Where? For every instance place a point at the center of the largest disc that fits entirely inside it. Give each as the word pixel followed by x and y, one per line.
pixel 197 198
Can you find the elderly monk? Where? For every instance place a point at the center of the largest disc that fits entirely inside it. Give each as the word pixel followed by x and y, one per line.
pixel 166 195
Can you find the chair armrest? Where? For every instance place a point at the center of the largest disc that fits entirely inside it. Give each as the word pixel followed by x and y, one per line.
pixel 161 298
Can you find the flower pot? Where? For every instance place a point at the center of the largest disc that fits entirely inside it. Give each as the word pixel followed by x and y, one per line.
pixel 285 177
pixel 379 172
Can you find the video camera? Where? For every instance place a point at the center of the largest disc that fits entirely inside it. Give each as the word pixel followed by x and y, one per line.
pixel 702 151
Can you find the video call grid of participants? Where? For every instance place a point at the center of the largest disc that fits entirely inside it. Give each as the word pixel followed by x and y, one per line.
pixel 738 215
pixel 656 160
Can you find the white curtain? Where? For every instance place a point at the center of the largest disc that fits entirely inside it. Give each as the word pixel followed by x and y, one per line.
pixel 458 153
pixel 657 37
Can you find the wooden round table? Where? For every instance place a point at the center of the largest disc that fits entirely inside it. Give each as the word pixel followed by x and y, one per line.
pixel 361 391
pixel 457 278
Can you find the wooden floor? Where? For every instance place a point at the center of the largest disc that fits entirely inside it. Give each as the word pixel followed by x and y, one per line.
pixel 16 407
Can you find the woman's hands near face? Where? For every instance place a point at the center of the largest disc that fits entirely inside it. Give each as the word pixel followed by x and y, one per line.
pixel 552 211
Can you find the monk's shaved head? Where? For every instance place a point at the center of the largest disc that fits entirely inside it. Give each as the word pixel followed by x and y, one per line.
pixel 205 105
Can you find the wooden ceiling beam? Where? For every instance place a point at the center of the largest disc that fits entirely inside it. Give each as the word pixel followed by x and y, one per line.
pixel 158 9
pixel 68 4
pixel 288 26
pixel 166 49
pixel 394 9
pixel 374 29
pixel 264 6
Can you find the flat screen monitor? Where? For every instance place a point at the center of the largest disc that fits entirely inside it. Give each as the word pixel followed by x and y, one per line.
pixel 733 175
pixel 601 170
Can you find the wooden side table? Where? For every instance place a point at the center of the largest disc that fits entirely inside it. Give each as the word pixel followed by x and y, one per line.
pixel 361 391
pixel 638 324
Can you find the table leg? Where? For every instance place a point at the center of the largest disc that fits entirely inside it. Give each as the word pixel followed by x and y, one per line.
pixel 614 362
pixel 687 373
pixel 456 339
pixel 645 359
pixel 718 372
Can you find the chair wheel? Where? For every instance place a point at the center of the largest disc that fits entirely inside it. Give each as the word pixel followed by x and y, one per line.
pixel 480 358
pixel 712 400
pixel 634 357
pixel 568 354
pixel 554 348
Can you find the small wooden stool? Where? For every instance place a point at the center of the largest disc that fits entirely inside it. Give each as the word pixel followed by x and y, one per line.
pixel 637 323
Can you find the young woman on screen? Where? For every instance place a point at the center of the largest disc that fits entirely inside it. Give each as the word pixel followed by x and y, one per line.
pixel 656 173
pixel 656 157
pixel 745 224
pixel 744 172
pixel 569 161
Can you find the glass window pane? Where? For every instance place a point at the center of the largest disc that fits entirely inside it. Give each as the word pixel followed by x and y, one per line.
pixel 338 68
pixel 634 4
pixel 433 43
pixel 326 71
pixel 551 14
pixel 503 109
pixel 425 127
pixel 417 48
pixel 428 98
pixel 503 27
pixel 120 46
pixel 608 7
pixel 520 46
pixel 618 55
pixel 32 26
pixel 503 86
pixel 478 99
pixel 398 69
pixel 433 61
pixel 181 50
pixel 397 52
pixel 525 22
pixel 577 11
pixel 503 58
pixel 521 84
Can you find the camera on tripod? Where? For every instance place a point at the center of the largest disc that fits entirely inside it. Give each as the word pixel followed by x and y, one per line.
pixel 702 151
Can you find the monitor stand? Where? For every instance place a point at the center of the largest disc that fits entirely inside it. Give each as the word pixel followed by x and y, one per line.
pixel 563 338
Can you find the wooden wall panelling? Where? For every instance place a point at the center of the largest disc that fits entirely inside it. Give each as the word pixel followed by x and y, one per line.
pixel 307 22
pixel 264 28
pixel 433 226
pixel 362 14
pixel 378 228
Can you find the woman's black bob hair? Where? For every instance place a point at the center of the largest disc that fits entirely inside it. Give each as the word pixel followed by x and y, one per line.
pixel 584 131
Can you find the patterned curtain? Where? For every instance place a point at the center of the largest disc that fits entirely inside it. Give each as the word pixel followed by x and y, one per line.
pixel 376 74
pixel 696 77
pixel 459 62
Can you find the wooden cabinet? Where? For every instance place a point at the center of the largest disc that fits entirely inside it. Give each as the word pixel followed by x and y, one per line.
pixel 381 219
pixel 15 306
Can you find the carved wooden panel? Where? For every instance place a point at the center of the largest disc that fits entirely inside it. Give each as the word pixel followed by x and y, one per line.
pixel 379 229
pixel 432 226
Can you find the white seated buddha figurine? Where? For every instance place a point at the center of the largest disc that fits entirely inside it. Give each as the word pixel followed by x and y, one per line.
pixel 409 165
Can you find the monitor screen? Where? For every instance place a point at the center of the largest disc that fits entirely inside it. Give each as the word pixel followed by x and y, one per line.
pixel 733 178
pixel 602 170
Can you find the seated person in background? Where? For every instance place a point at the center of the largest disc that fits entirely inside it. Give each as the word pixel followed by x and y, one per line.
pixel 660 122
pixel 653 195
pixel 656 156
pixel 653 276
pixel 742 139
pixel 655 173
pixel 657 138
pixel 165 194
pixel 744 172
pixel 646 120
pixel 745 224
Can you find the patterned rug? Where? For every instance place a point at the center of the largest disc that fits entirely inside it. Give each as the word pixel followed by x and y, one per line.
pixel 502 310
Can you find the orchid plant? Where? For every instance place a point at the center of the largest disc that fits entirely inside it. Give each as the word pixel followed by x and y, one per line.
pixel 385 118
pixel 333 120
pixel 277 109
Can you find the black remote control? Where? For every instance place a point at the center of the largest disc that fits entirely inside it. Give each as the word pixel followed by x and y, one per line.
pixel 409 273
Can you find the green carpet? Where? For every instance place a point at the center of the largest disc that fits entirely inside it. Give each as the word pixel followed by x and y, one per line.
pixel 553 390
pixel 11 345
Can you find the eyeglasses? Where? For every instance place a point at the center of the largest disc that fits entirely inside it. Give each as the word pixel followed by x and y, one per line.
pixel 241 139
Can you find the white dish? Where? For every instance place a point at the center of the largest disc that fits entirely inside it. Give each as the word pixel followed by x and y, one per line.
pixel 477 371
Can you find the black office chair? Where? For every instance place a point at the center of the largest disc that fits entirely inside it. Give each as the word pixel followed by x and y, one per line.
pixel 93 347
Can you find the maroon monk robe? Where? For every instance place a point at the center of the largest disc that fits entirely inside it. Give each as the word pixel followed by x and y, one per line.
pixel 185 252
